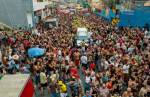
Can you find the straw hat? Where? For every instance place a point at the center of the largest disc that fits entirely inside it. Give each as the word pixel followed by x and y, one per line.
pixel 15 57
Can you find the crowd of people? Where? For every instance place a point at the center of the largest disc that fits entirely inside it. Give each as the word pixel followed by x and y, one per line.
pixel 114 64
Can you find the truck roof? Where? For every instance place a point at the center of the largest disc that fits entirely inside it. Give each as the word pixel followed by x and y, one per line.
pixel 82 29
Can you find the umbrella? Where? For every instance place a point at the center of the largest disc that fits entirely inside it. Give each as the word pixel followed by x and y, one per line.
pixel 35 52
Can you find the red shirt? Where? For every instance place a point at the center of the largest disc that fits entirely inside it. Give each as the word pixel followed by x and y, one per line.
pixel 26 43
pixel 92 66
pixel 109 85
pixel 10 41
pixel 74 72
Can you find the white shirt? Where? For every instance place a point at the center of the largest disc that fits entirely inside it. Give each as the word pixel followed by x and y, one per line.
pixel 147 34
pixel 59 52
pixel 126 68
pixel 89 34
pixel 84 59
pixel 67 58
pixel 87 79
pixel 106 64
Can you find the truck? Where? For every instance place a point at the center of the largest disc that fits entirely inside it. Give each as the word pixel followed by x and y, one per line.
pixel 82 36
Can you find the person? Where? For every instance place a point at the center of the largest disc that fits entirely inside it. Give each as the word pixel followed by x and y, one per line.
pixel 127 93
pixel 103 91
pixel 87 94
pixel 147 84
pixel 43 81
pixel 84 61
pixel 126 71
pixel 143 91
pixel 119 53
pixel 2 70
pixel 76 58
pixel 37 79
pixel 63 89
pixel 53 89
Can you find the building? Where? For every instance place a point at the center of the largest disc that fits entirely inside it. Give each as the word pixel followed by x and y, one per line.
pixel 41 9
pixel 98 4
pixel 23 13
pixel 147 3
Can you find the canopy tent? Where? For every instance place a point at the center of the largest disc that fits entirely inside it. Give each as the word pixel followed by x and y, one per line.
pixel 18 85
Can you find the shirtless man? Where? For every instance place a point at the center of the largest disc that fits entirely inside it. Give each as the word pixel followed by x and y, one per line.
pixel 127 93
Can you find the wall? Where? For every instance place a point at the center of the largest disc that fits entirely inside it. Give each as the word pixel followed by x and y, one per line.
pixel 14 12
pixel 139 17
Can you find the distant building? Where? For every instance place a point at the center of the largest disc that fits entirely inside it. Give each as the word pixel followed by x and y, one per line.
pixel 98 4
pixel 147 3
pixel 23 13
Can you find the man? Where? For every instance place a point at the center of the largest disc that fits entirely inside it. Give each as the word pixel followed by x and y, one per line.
pixel 126 71
pixel 84 60
pixel 77 58
pixel 43 81
pixel 127 93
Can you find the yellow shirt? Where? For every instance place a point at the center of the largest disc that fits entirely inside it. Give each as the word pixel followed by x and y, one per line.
pixel 63 88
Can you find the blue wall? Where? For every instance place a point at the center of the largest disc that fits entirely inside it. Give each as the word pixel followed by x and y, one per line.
pixel 139 17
